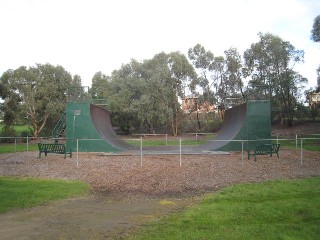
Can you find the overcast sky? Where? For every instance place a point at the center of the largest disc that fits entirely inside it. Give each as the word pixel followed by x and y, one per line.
pixel 87 36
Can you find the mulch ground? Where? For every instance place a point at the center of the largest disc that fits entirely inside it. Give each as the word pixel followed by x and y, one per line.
pixel 161 174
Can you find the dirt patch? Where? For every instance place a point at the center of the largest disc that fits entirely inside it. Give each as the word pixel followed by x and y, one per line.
pixel 129 192
pixel 90 217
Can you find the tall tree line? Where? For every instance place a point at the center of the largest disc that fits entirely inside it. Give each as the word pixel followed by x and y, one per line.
pixel 145 94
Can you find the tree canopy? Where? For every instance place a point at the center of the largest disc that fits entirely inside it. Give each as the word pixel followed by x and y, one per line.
pixel 315 32
pixel 146 94
pixel 35 94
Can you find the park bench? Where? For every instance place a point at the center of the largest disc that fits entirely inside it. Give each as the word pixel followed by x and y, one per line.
pixel 53 148
pixel 264 149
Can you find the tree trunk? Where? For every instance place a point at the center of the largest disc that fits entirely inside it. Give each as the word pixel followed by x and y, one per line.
pixel 198 120
pixel 36 128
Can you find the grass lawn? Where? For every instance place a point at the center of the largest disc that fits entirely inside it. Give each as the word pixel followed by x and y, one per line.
pixel 16 192
pixel 18 128
pixel 308 144
pixel 286 209
pixel 162 142
pixel 20 147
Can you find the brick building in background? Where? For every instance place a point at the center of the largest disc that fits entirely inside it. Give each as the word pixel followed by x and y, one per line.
pixel 314 99
pixel 190 104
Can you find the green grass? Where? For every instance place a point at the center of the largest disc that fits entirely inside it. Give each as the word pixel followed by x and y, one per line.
pixel 269 210
pixel 308 144
pixel 20 147
pixel 18 128
pixel 18 193
pixel 185 142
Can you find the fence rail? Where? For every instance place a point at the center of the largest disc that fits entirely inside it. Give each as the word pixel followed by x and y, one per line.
pixel 18 144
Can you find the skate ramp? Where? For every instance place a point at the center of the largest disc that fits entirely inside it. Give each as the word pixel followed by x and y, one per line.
pixel 101 120
pixel 233 126
pixel 249 122
pixel 89 129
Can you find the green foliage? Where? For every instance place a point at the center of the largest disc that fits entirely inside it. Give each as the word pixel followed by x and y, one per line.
pixel 220 77
pixel 19 129
pixel 26 133
pixel 315 32
pixel 318 79
pixel 27 192
pixel 145 94
pixel 8 131
pixel 37 94
pixel 284 209
pixel 209 122
pixel 269 67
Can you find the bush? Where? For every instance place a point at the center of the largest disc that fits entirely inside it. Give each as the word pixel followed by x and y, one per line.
pixel 8 131
pixel 26 133
pixel 208 123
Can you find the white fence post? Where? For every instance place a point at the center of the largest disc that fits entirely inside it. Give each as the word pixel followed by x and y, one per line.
pixel 141 151
pixel 242 151
pixel 180 151
pixel 77 152
pixel 301 152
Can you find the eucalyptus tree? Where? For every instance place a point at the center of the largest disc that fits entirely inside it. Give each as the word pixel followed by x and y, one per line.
pixel 166 77
pixel 10 106
pixel 221 76
pixel 270 69
pixel 234 75
pixel 315 32
pixel 123 90
pixel 38 93
pixel 315 36
pixel 146 93
pixel 318 79
pixel 203 61
pixel 183 76
pixel 100 86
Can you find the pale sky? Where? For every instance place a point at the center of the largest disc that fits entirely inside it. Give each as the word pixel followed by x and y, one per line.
pixel 87 36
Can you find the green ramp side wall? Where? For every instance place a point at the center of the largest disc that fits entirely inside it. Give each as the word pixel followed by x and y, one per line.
pixel 256 126
pixel 79 126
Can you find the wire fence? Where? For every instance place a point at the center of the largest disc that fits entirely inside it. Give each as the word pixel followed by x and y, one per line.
pixel 176 146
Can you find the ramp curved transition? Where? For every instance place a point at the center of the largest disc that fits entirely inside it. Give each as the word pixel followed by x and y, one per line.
pixel 101 120
pixel 233 123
